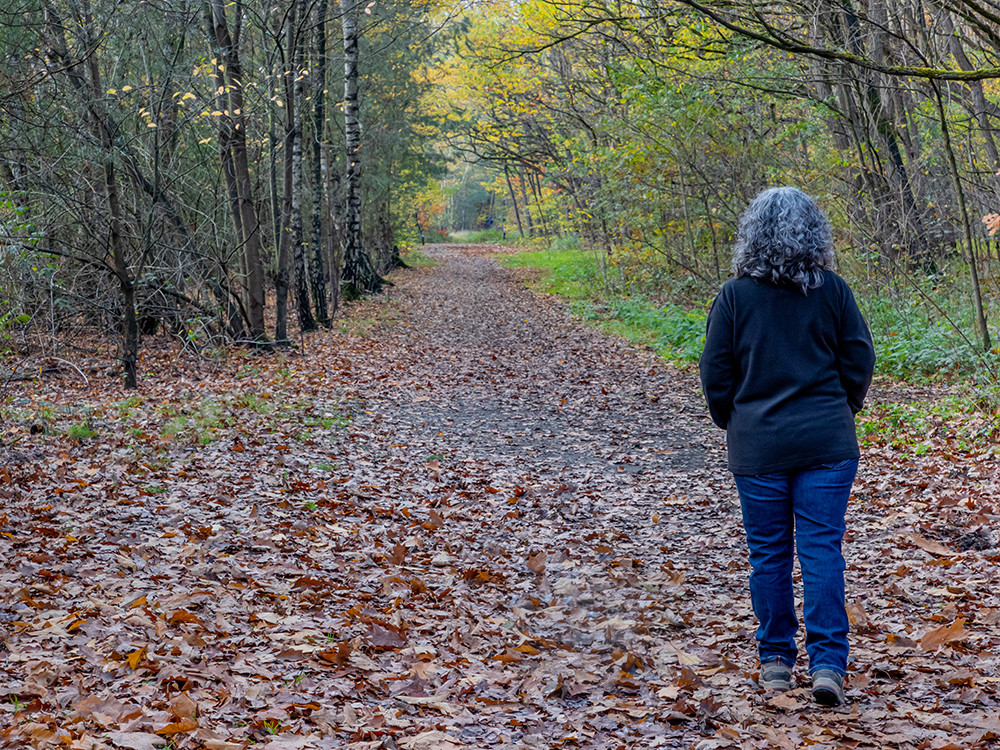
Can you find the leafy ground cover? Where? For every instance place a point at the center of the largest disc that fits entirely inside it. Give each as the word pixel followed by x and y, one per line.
pixel 464 520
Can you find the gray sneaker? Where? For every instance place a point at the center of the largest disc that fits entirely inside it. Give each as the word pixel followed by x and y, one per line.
pixel 828 688
pixel 775 675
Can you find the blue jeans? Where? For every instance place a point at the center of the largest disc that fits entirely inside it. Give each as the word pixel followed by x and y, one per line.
pixel 804 510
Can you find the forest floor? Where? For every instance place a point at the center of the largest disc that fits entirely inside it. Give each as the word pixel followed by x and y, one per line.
pixel 464 520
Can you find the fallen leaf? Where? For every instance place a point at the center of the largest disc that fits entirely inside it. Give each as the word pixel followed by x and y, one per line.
pixel 786 701
pixel 932 640
pixel 288 743
pixel 135 658
pixel 182 615
pixel 857 616
pixel 178 727
pixel 339 655
pixel 398 555
pixel 935 548
pixel 433 740
pixel 536 562
pixel 382 637
pixel 183 706
pixel 136 740
pixel 105 711
pixel 222 745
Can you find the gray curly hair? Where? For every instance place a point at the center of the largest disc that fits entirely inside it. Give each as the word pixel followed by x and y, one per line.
pixel 785 238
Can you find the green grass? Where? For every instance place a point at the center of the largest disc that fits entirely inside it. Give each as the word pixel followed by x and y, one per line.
pixel 80 431
pixel 417 258
pixel 253 402
pixel 483 236
pixel 126 409
pixel 175 426
pixel 570 273
pixel 921 338
pixel 211 418
pixel 202 421
pixel 493 237
pixel 327 421
pixel 675 332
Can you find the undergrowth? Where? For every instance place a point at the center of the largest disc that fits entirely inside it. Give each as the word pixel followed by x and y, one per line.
pixel 954 421
pixel 417 258
pixel 926 335
pixel 677 333
pixel 923 332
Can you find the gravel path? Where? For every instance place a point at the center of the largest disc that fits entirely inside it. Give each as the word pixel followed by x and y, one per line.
pixel 465 520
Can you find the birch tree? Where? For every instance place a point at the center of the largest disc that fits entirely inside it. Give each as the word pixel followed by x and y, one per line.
pixel 358 276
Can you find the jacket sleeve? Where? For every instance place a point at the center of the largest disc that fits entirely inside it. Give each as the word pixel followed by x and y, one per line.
pixel 717 364
pixel 855 354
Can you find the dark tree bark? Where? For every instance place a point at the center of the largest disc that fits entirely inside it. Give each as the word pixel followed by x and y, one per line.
pixel 233 152
pixel 970 247
pixel 513 199
pixel 320 203
pixel 281 279
pixel 359 276
pixel 295 105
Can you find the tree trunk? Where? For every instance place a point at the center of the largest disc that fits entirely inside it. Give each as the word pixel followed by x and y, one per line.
pixel 281 279
pixel 359 275
pixel 228 169
pixel 320 205
pixel 296 104
pixel 527 203
pixel 105 134
pixel 885 190
pixel 245 218
pixel 335 201
pixel 970 250
pixel 536 188
pixel 513 199
pixel 978 110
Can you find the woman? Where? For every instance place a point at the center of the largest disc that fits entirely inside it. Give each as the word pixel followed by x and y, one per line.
pixel 787 363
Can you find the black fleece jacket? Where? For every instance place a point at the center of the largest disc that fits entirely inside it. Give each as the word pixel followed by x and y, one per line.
pixel 784 373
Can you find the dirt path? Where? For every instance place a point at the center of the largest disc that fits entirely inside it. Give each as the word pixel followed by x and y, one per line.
pixel 472 523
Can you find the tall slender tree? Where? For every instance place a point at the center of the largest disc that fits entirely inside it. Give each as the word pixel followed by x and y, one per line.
pixel 359 276
pixel 320 224
pixel 235 160
pixel 296 106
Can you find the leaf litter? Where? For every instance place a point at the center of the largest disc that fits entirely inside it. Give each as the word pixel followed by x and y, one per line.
pixel 467 520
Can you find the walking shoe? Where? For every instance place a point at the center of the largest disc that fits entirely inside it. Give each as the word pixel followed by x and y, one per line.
pixel 775 675
pixel 828 687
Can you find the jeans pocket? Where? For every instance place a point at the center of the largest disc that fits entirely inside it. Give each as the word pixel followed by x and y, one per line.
pixel 834 466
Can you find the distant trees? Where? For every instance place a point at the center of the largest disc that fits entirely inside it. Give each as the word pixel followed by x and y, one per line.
pixel 174 165
pixel 644 127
